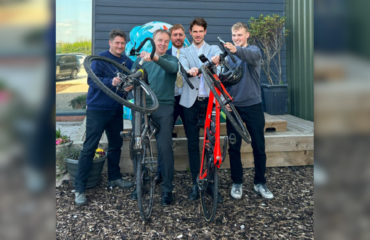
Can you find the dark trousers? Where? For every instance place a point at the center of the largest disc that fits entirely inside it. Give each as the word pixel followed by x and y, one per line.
pixel 254 119
pixel 178 111
pixel 164 117
pixel 192 133
pixel 96 123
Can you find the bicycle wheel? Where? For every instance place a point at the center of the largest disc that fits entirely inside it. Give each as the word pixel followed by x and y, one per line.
pixel 145 180
pixel 233 117
pixel 102 70
pixel 208 197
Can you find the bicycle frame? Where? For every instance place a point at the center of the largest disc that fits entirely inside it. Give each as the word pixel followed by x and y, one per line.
pixel 217 157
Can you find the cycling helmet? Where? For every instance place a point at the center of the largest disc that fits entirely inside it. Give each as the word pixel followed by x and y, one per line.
pixel 232 76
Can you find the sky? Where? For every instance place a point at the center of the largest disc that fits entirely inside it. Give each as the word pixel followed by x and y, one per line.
pixel 73 20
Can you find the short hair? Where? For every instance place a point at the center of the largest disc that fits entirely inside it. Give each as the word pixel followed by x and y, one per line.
pixel 240 25
pixel 116 32
pixel 160 31
pixel 200 22
pixel 175 27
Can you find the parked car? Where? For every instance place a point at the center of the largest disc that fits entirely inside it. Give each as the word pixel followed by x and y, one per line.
pixel 81 57
pixel 67 65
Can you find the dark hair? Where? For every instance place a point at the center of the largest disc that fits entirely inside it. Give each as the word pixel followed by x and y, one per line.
pixel 200 22
pixel 160 31
pixel 175 27
pixel 116 32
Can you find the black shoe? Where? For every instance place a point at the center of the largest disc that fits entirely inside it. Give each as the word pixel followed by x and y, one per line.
pixel 220 199
pixel 166 198
pixel 194 194
pixel 134 194
pixel 159 178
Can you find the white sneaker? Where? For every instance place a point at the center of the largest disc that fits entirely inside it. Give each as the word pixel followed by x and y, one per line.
pixel 262 190
pixel 237 191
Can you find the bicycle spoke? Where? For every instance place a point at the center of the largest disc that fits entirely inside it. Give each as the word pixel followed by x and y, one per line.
pixel 145 181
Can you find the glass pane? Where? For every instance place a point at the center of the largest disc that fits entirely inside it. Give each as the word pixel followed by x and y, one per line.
pixel 73 37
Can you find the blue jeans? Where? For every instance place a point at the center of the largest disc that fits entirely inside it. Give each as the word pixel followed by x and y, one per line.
pixel 98 121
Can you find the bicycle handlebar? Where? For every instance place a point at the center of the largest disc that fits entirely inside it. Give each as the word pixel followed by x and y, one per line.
pixel 186 76
pixel 222 42
pixel 136 51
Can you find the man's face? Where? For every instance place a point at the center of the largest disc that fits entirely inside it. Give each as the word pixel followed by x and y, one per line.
pixel 117 45
pixel 161 41
pixel 178 38
pixel 240 37
pixel 198 34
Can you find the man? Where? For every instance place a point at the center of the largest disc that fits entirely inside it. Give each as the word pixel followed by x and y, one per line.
pixel 247 101
pixel 162 72
pixel 194 99
pixel 177 33
pixel 103 114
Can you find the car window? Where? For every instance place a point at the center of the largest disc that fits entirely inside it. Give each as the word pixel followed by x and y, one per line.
pixel 72 59
pixel 63 59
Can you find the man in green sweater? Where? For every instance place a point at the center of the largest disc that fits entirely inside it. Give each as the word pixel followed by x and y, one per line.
pixel 162 73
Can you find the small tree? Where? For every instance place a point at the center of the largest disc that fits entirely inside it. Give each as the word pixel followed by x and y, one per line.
pixel 268 33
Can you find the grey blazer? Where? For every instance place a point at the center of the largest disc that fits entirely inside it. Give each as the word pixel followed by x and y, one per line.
pixel 189 59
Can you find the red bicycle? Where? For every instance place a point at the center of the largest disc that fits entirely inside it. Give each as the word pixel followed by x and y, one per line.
pixel 212 157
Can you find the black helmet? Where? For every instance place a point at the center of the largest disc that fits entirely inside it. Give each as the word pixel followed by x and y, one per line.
pixel 232 76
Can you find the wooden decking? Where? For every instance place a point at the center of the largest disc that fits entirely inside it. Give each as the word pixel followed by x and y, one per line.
pixel 292 147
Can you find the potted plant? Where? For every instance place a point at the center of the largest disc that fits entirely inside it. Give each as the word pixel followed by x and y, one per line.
pixel 61 140
pixel 268 33
pixel 79 102
pixel 71 156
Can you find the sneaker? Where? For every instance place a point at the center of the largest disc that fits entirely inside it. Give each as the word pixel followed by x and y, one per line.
pixel 261 189
pixel 237 191
pixel 120 183
pixel 80 198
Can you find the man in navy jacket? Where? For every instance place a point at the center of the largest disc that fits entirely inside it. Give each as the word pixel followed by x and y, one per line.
pixel 103 114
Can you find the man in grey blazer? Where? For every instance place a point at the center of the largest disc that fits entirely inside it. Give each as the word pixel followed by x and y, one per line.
pixel 194 99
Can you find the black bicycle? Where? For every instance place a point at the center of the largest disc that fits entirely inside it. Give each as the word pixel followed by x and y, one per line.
pixel 102 70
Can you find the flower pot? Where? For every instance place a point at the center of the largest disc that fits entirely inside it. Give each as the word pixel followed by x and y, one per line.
pixel 61 146
pixel 275 97
pixel 95 172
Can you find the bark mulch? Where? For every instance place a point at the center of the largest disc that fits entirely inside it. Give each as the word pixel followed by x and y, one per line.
pixel 110 214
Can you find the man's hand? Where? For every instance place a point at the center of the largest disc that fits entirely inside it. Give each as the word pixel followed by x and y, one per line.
pixel 230 46
pixel 129 88
pixel 146 56
pixel 193 71
pixel 228 107
pixel 216 60
pixel 116 81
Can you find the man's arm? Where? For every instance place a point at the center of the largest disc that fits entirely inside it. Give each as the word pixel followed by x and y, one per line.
pixel 170 66
pixel 100 74
pixel 251 55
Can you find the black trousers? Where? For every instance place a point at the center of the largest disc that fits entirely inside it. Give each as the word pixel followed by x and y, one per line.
pixel 254 119
pixel 192 133
pixel 178 111
pixel 164 117
pixel 96 123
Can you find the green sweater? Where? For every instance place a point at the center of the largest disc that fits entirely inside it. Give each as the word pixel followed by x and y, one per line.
pixel 162 77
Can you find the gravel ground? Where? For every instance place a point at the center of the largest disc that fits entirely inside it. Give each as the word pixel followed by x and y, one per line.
pixel 112 215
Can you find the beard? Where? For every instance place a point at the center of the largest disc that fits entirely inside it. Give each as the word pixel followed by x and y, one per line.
pixel 178 44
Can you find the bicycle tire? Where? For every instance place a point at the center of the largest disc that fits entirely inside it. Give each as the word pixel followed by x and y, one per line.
pixel 209 212
pixel 237 124
pixel 145 178
pixel 108 66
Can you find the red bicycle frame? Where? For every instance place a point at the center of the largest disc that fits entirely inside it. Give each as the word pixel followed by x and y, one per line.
pixel 217 157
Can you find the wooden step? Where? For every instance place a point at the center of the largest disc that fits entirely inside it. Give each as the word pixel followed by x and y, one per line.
pixel 293 147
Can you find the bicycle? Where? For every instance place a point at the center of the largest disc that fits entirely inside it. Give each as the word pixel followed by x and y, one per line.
pixel 144 128
pixel 211 155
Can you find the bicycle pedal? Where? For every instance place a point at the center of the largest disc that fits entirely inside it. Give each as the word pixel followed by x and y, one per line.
pixel 125 134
